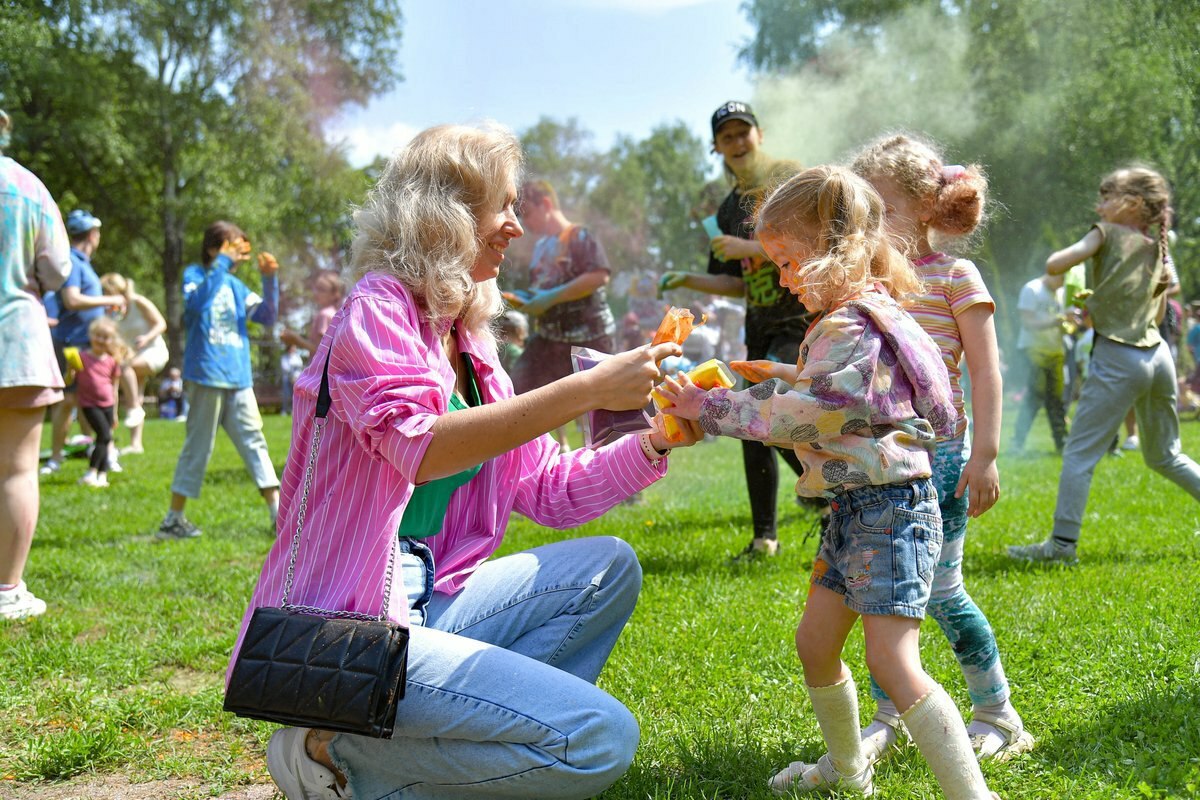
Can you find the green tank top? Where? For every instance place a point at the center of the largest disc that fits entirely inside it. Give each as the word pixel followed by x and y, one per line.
pixel 426 509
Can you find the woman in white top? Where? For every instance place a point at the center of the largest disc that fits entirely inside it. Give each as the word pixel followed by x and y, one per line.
pixel 142 327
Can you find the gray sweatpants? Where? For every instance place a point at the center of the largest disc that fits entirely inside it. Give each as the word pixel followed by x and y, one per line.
pixel 235 410
pixel 1120 374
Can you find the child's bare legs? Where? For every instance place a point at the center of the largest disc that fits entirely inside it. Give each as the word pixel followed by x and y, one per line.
pixel 820 638
pixel 894 657
pixel 933 721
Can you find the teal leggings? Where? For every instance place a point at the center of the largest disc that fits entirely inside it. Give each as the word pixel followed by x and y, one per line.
pixel 965 626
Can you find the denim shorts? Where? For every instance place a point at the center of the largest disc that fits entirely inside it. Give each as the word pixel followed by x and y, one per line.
pixel 880 547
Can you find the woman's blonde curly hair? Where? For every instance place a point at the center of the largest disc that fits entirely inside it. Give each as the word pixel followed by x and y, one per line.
pixel 420 222
pixel 843 217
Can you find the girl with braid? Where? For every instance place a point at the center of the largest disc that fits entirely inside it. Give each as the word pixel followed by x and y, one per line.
pixel 1127 279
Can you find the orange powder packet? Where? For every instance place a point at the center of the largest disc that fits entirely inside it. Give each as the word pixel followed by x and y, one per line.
pixel 676 326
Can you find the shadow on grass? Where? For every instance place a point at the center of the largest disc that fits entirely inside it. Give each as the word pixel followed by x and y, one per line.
pixel 999 562
pixel 712 767
pixel 1153 739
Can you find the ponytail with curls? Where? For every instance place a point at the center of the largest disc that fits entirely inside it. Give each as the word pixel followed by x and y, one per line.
pixel 842 217
pixel 958 194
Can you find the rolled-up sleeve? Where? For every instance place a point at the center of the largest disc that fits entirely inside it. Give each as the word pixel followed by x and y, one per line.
pixel 385 388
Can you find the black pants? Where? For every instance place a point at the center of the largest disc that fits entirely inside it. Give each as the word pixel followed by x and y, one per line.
pixel 759 460
pixel 101 420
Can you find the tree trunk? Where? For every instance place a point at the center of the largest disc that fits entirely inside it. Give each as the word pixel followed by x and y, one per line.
pixel 172 262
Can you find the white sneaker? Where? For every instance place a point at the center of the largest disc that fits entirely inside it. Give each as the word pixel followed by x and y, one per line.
pixel 134 417
pixel 20 603
pixel 50 467
pixel 1132 443
pixel 297 775
pixel 113 464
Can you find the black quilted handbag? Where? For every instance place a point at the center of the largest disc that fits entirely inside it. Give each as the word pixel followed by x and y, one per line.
pixel 315 668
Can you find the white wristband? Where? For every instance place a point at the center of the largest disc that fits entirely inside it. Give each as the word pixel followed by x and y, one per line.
pixel 652 453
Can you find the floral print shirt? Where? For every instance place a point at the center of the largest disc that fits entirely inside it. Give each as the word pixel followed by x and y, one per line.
pixel 871 400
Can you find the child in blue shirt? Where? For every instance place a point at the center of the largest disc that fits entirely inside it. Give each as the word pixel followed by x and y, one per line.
pixel 216 369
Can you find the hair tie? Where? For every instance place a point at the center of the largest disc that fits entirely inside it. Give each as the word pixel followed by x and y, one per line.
pixel 952 172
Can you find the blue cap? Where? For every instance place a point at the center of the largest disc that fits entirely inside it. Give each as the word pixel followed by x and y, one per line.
pixel 80 222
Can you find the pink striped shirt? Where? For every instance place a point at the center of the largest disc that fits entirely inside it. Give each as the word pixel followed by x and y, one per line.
pixel 390 381
pixel 952 285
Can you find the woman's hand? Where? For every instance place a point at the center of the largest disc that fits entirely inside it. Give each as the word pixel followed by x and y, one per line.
pixel 763 370
pixel 235 249
pixel 683 396
pixel 140 342
pixel 623 381
pixel 267 265
pixel 983 479
pixel 689 429
pixel 734 248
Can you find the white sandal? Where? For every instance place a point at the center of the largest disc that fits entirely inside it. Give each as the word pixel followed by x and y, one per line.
pixel 821 777
pixel 1017 740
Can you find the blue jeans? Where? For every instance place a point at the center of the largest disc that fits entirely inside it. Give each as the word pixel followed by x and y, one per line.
pixel 965 626
pixel 500 700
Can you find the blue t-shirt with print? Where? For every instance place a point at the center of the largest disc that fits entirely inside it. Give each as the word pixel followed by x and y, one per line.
pixel 216 307
pixel 72 328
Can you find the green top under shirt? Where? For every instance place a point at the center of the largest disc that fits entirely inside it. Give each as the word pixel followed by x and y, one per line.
pixel 426 509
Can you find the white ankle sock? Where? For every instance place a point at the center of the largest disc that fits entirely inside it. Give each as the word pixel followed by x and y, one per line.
pixel 936 727
pixel 836 709
pixel 879 737
pixel 996 738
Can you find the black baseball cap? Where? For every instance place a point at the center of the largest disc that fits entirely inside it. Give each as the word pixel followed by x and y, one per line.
pixel 732 110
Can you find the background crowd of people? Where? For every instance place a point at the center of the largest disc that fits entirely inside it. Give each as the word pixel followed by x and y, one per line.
pixel 870 363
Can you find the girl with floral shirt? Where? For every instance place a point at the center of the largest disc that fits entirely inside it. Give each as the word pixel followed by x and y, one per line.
pixel 870 399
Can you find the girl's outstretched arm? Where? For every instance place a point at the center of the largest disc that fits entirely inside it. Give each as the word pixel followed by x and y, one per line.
pixel 978 333
pixel 1062 260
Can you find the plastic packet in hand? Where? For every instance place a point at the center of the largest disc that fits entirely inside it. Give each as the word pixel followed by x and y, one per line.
pixel 601 426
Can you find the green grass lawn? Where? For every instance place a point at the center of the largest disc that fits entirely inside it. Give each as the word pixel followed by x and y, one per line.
pixel 122 678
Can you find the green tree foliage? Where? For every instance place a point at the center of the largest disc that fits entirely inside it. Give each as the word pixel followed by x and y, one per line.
pixel 647 195
pixel 1047 96
pixel 163 115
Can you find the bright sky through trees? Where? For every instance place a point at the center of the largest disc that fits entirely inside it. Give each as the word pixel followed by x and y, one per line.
pixel 618 66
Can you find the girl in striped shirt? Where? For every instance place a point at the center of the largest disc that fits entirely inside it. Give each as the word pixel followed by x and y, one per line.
pixel 925 198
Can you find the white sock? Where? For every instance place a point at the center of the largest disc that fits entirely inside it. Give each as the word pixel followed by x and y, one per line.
pixel 836 709
pixel 879 737
pixel 174 516
pixel 937 729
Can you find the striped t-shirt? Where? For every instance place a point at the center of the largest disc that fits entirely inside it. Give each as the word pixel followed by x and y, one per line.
pixel 952 285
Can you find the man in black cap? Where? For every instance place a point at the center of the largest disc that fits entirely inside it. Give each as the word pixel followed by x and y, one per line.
pixel 738 267
pixel 80 300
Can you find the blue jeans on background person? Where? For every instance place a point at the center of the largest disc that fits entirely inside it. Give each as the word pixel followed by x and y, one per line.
pixel 501 680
